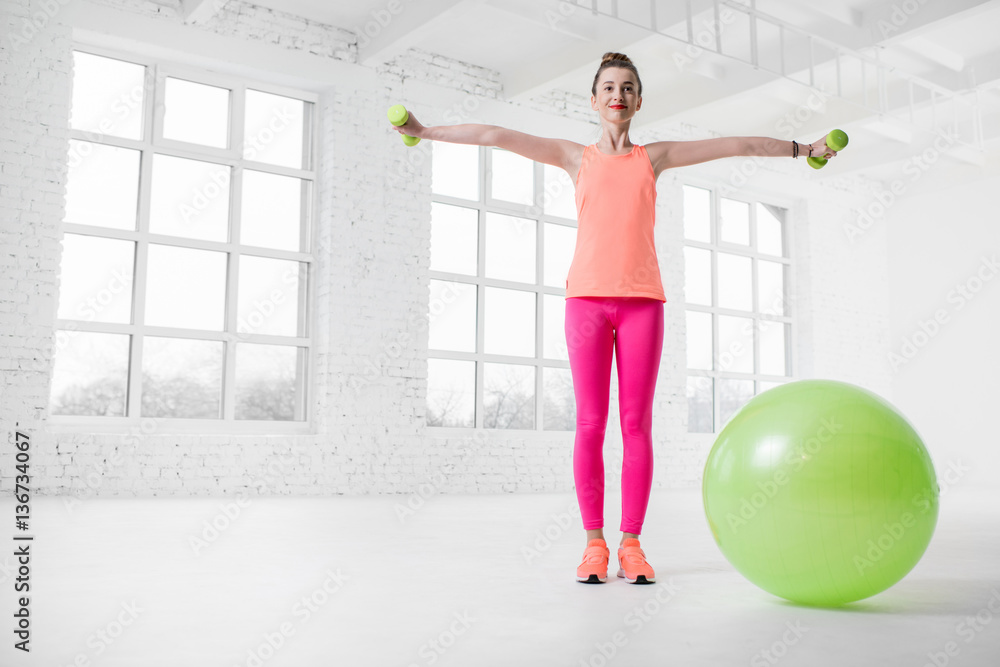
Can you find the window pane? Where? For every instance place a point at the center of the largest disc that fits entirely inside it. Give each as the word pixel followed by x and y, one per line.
pixel 735 344
pixel 452 316
pixel 735 281
pixel 95 279
pixel 733 394
pixel 771 286
pixel 510 248
pixel 513 177
pixel 699 340
pixel 734 221
pixel 189 198
pixel 271 214
pixel 90 374
pixel 700 404
pixel 455 170
pixel 560 402
pixel 273 128
pixel 560 195
pixel 108 96
pixel 103 185
pixel 698 275
pixel 560 242
pixel 185 288
pixel 451 392
pixel 554 339
pixel 697 214
pixel 510 322
pixel 268 385
pixel 772 348
pixel 454 239
pixel 770 229
pixel 270 293
pixel 508 396
pixel 196 113
pixel 763 385
pixel 181 378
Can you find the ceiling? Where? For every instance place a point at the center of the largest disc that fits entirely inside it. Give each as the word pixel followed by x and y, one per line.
pixel 912 48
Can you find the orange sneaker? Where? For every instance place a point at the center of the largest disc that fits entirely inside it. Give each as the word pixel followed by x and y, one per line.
pixel 632 563
pixel 594 568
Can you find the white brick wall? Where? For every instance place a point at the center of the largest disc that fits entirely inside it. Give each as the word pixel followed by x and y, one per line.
pixel 34 107
pixel 371 276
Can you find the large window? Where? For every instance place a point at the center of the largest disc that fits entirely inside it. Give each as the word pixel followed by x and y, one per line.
pixel 739 327
pixel 503 231
pixel 185 251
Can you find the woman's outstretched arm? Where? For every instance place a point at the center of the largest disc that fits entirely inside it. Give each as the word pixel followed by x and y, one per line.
pixel 557 152
pixel 669 154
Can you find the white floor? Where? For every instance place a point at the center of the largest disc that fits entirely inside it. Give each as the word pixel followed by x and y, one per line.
pixel 462 580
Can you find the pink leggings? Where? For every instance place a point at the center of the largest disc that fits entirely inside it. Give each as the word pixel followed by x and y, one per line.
pixel 633 328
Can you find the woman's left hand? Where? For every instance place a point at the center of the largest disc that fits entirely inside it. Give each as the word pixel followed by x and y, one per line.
pixel 820 149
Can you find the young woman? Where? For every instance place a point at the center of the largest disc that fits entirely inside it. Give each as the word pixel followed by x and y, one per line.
pixel 614 297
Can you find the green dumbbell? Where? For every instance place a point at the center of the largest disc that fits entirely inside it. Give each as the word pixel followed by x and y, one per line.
pixel 398 116
pixel 837 140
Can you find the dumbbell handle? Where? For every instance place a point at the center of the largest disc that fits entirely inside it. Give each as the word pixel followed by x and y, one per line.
pixel 837 140
pixel 398 115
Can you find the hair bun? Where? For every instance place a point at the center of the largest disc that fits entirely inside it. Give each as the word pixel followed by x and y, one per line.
pixel 609 56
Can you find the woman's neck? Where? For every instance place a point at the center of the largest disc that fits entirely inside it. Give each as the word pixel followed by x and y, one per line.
pixel 614 140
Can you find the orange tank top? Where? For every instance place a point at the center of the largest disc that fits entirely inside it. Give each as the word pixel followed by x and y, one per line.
pixel 615 254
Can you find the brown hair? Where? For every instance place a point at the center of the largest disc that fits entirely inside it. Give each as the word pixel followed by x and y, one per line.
pixel 611 59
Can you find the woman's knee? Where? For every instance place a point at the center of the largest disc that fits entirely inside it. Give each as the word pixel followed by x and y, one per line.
pixel 592 427
pixel 637 424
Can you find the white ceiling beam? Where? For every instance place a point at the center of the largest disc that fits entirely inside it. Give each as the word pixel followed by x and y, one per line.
pixel 743 82
pixel 596 33
pixel 985 70
pixel 400 25
pixel 840 12
pixel 189 45
pixel 735 81
pixel 978 72
pixel 830 20
pixel 906 164
pixel 890 129
pixel 540 76
pixel 199 12
pixel 890 21
pixel 839 26
pixel 934 52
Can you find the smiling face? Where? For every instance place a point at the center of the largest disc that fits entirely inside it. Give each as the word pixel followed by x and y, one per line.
pixel 616 99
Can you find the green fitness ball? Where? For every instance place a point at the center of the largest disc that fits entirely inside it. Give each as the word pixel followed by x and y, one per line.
pixel 820 492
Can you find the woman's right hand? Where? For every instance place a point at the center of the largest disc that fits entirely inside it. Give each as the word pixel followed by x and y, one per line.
pixel 411 127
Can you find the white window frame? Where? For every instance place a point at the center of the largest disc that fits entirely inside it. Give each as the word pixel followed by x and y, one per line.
pixel 486 203
pixel 792 304
pixel 159 69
